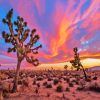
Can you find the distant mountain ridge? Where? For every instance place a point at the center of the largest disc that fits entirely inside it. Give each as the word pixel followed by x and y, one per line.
pixel 95 68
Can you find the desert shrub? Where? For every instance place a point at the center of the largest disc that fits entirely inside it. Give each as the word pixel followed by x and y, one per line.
pixel 6 93
pixel 20 82
pixel 49 79
pixel 67 89
pixel 48 94
pixel 95 78
pixel 31 76
pixel 55 81
pixel 45 83
pixel 88 80
pixel 77 82
pixel 71 85
pixel 80 88
pixel 60 77
pixel 38 84
pixel 39 79
pixel 67 80
pixel 74 81
pixel 59 88
pixel 25 83
pixel 34 82
pixel 48 86
pixel 95 87
pixel 64 78
pixel 10 77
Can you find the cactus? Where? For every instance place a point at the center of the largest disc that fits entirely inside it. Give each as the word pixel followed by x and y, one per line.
pixel 17 38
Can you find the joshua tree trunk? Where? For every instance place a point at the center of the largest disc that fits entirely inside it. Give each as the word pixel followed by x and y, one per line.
pixel 84 72
pixel 16 76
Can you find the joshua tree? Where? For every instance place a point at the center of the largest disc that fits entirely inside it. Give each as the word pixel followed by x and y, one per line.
pixel 17 37
pixel 76 62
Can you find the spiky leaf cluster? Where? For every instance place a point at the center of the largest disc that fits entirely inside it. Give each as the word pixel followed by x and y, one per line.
pixel 76 62
pixel 18 36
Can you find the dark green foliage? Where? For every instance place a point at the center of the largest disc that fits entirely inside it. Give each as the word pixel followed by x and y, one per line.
pixel 95 87
pixel 59 88
pixel 55 81
pixel 76 62
pixel 48 86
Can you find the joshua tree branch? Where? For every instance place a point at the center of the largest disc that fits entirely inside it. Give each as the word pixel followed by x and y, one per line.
pixel 35 50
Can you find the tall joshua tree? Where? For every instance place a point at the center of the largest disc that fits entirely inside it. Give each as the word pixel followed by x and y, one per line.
pixel 76 62
pixel 17 38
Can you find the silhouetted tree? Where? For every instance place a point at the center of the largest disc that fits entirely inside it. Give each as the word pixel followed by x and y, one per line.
pixel 17 38
pixel 76 62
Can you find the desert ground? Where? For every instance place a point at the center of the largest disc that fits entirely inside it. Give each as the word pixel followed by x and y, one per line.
pixel 50 85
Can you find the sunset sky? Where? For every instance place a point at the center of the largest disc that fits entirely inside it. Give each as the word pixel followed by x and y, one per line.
pixel 61 24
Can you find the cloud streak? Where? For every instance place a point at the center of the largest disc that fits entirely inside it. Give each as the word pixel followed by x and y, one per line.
pixel 62 25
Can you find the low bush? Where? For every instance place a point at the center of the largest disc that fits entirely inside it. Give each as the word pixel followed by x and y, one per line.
pixel 48 86
pixel 20 82
pixel 45 83
pixel 71 85
pixel 95 87
pixel 59 88
pixel 95 78
pixel 80 88
pixel 67 89
pixel 55 81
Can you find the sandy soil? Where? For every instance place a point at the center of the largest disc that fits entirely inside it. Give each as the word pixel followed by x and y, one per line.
pixel 30 81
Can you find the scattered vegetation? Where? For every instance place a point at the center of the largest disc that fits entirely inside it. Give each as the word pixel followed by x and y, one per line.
pixel 48 86
pixel 55 81
pixel 94 87
pixel 71 85
pixel 59 88
pixel 67 89
pixel 45 83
